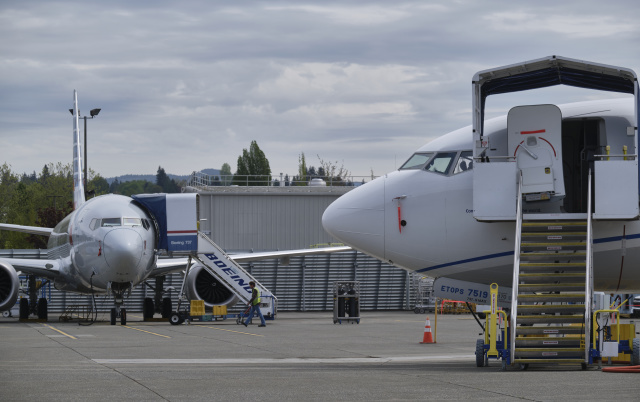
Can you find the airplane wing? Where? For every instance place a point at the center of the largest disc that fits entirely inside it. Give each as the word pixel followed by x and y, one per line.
pixel 286 253
pixel 26 229
pixel 169 265
pixel 42 268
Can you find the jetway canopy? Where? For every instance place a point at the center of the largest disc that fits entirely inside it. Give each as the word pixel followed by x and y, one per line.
pixel 177 217
pixel 546 72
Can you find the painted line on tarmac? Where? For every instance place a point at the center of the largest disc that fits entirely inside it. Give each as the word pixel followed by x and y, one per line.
pixel 229 330
pixel 57 330
pixel 148 332
pixel 310 360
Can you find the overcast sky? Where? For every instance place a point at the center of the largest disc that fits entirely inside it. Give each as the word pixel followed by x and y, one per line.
pixel 187 85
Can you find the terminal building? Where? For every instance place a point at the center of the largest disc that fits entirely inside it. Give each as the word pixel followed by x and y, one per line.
pixel 269 218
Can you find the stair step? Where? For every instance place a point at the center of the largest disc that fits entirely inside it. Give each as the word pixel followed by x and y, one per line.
pixel 550 319
pixel 546 246
pixel 556 227
pixel 531 267
pixel 550 330
pixel 550 236
pixel 545 342
pixel 551 287
pixel 548 353
pixel 552 297
pixel 550 308
pixel 555 256
pixel 548 278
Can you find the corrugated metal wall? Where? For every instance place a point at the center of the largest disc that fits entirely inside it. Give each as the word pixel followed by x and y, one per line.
pixel 277 218
pixel 269 220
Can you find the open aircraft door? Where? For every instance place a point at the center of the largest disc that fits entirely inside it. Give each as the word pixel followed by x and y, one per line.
pixel 534 135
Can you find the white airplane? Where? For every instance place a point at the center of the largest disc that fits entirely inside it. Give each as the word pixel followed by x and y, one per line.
pixel 449 213
pixel 108 245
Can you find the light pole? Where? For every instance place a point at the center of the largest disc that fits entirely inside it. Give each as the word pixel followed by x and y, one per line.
pixel 93 113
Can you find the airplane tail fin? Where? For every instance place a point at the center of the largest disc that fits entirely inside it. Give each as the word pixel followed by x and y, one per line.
pixel 78 182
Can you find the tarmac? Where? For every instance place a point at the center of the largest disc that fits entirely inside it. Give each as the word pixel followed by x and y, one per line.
pixel 298 356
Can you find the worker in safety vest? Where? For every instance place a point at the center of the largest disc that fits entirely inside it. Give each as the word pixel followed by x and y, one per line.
pixel 255 305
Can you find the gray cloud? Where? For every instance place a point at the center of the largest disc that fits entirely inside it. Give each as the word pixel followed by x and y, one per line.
pixel 188 85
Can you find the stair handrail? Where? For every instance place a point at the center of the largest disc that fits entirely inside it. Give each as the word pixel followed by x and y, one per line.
pixel 516 270
pixel 588 283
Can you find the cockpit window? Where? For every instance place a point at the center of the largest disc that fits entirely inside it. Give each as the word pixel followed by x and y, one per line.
pixel 95 223
pixel 464 163
pixel 417 161
pixel 441 162
pixel 111 222
pixel 132 221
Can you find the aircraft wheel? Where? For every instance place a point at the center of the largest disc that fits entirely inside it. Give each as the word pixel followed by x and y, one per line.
pixel 636 352
pixel 123 316
pixel 480 353
pixel 147 308
pixel 114 315
pixel 24 308
pixel 175 319
pixel 42 308
pixel 167 307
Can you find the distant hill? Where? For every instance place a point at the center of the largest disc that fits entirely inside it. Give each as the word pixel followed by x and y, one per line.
pixel 152 177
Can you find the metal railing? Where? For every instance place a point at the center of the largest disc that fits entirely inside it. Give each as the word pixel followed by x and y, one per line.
pixel 199 179
pixel 588 283
pixel 516 271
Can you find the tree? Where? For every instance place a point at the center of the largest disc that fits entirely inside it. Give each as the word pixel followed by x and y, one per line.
pixel 98 185
pixel 225 174
pixel 167 184
pixel 336 175
pixel 253 167
pixel 113 188
pixel 162 179
pixel 301 178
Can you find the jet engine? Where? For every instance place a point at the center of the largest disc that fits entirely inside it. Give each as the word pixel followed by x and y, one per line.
pixel 201 285
pixel 9 286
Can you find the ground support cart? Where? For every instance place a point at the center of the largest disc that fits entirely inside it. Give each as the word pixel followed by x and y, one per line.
pixel 346 302
pixel 197 312
pixel 612 340
pixel 425 299
pixel 496 343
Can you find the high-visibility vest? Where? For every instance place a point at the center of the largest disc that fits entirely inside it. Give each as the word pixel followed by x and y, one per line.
pixel 257 299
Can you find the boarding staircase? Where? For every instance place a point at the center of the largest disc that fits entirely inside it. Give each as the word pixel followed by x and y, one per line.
pixel 552 288
pixel 222 267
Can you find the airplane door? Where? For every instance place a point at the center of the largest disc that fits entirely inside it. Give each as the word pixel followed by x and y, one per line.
pixel 535 141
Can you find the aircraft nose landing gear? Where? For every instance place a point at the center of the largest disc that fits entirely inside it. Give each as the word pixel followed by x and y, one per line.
pixel 119 290
pixel 118 312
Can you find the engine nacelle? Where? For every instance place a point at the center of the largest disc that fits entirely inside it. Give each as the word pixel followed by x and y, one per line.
pixel 202 286
pixel 9 286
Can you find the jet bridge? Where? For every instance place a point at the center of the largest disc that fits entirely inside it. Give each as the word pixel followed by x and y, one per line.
pixel 177 219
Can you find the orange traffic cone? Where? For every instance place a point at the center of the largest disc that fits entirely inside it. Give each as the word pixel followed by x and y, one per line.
pixel 427 338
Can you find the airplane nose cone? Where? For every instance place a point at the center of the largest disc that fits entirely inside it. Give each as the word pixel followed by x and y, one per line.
pixel 357 218
pixel 123 250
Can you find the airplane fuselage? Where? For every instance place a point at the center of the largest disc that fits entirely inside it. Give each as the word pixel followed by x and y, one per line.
pixel 108 241
pixel 421 217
